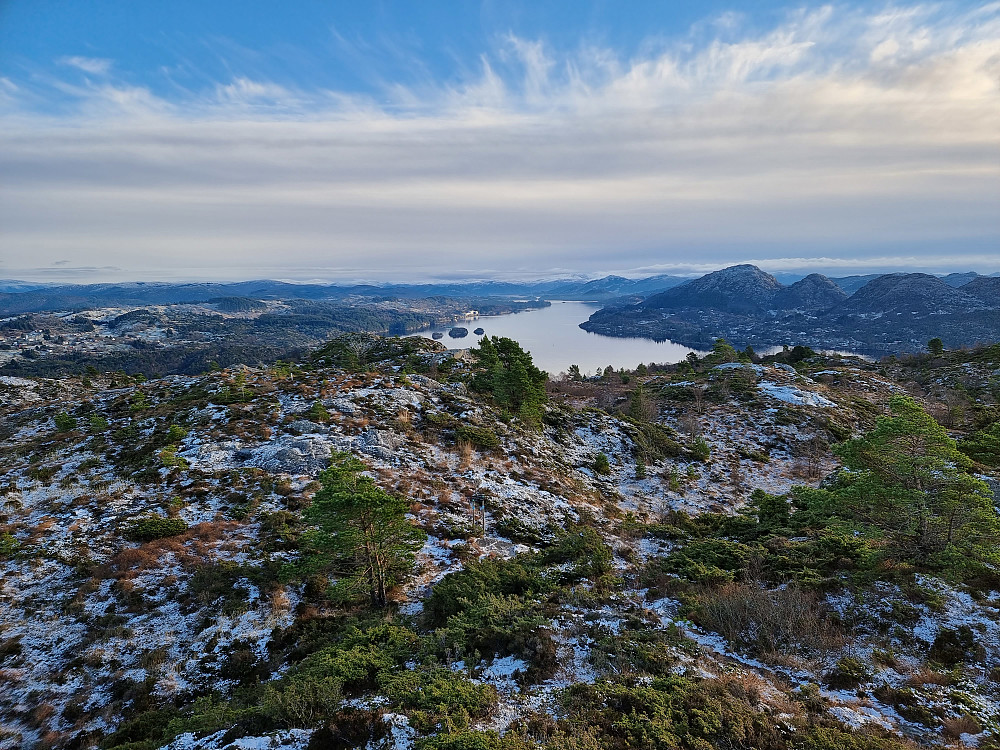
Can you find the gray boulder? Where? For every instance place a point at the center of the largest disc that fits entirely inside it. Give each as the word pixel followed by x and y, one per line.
pixel 382 444
pixel 295 456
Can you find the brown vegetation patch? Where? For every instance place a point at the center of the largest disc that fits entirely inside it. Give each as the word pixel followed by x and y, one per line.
pixel 197 545
pixel 955 726
pixel 768 622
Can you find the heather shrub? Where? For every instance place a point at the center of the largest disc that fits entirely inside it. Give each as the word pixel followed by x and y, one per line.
pixel 481 437
pixel 155 527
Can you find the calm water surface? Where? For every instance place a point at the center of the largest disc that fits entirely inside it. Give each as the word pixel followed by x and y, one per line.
pixel 555 340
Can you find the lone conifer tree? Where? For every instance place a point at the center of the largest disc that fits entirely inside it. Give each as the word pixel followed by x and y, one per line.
pixel 361 531
pixel 505 371
pixel 908 479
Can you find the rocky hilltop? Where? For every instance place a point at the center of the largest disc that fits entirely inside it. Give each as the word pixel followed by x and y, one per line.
pixel 985 288
pixel 917 294
pixel 814 293
pixel 647 561
pixel 737 289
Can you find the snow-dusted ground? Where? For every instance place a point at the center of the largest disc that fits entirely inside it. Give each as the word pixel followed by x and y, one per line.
pixel 92 611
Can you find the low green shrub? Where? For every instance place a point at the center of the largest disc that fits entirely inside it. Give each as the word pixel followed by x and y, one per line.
pixel 155 527
pixel 481 437
pixel 439 697
pixel 954 646
pixel 710 560
pixel 480 578
pixel 474 740
pixel 65 422
pixel 700 449
pixel 848 673
pixel 440 419
pixel 9 545
pixel 585 549
pixel 601 464
pixel 504 625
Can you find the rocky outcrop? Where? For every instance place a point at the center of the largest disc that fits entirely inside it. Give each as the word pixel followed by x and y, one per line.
pixel 305 456
pixel 383 444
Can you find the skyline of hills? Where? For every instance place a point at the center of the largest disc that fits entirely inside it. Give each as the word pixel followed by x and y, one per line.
pixel 750 307
pixel 18 297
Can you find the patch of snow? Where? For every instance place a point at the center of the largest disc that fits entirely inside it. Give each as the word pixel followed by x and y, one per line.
pixel 20 382
pixel 401 735
pixel 291 739
pixel 856 717
pixel 504 669
pixel 737 366
pixel 791 395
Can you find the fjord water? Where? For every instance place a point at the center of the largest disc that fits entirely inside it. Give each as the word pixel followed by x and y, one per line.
pixel 555 340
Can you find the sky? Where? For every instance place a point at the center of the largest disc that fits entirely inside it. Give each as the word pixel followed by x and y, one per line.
pixel 396 141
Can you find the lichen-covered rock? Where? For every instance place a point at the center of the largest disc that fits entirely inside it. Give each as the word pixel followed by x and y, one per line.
pixel 382 444
pixel 295 456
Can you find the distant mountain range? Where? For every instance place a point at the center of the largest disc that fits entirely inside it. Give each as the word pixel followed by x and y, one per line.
pixel 892 312
pixel 17 297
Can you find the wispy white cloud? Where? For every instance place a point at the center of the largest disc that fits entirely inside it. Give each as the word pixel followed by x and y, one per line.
pixel 837 139
pixel 93 65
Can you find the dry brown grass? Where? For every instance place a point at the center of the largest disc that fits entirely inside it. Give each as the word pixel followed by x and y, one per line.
pixel 279 600
pixel 769 622
pixel 42 714
pixel 465 454
pixel 40 528
pixel 798 470
pixel 955 726
pixel 925 676
pixel 134 560
pixel 198 544
pixel 755 689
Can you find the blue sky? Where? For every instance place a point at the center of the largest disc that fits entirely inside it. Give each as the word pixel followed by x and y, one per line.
pixel 179 47
pixel 427 139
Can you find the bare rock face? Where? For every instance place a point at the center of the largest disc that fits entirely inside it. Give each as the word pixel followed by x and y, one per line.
pixel 737 289
pixel 813 293
pixel 382 444
pixel 303 456
pixel 306 427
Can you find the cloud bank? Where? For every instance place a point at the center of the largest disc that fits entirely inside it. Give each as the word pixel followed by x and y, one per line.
pixel 840 139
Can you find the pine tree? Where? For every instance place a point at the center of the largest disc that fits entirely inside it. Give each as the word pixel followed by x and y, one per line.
pixel 907 479
pixel 723 351
pixel 983 446
pixel 361 532
pixel 506 372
